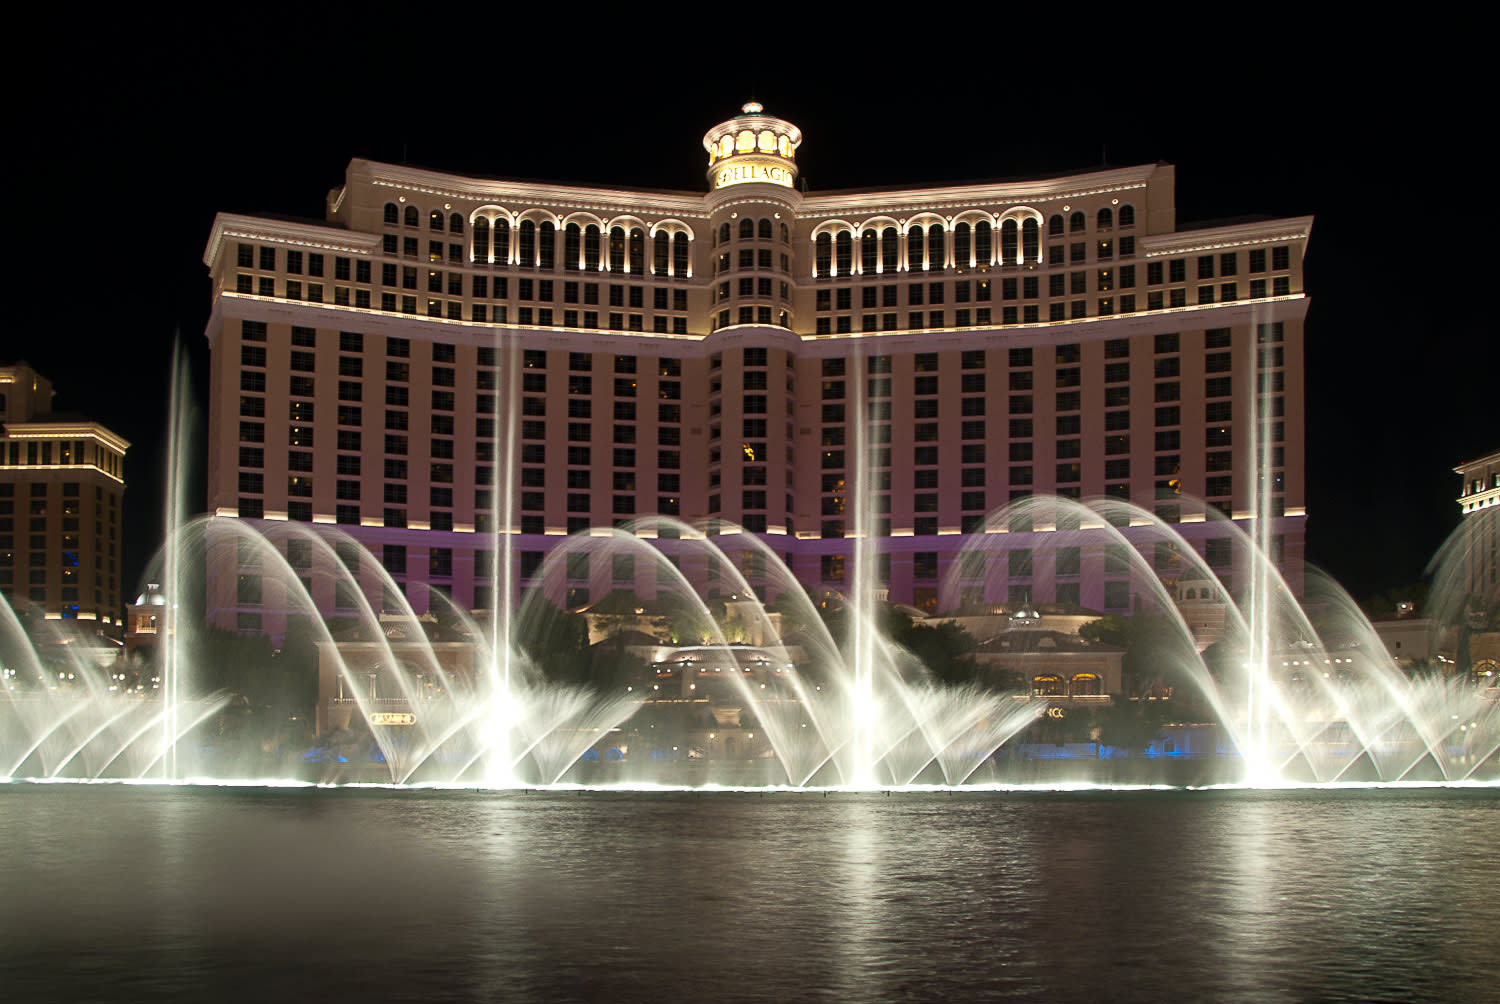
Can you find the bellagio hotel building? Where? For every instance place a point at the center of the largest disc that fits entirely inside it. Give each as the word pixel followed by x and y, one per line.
pixel 604 354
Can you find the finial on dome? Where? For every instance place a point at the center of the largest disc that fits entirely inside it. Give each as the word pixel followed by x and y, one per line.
pixel 752 107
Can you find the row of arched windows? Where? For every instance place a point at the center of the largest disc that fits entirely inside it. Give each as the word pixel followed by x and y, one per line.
pixel 585 248
pixel 929 245
pixel 1104 219
pixel 750 229
pixel 929 248
pixel 412 217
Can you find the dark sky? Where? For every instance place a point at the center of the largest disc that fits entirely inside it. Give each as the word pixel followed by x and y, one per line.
pixel 130 136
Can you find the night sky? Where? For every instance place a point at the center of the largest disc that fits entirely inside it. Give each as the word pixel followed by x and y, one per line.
pixel 131 136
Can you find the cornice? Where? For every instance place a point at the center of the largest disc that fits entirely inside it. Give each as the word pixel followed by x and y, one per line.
pixel 1469 465
pixel 229 226
pixel 1004 194
pixel 451 186
pixel 1077 329
pixel 1291 307
pixel 47 430
pixel 1295 228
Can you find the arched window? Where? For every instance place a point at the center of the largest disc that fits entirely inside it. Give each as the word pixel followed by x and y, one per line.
pixel 435 220
pixel 984 251
pixel 1055 226
pixel 479 242
pixel 546 245
pixel 914 243
pixel 1009 252
pixel 763 230
pixel 1105 219
pixel 890 250
pixel 1031 240
pixel 681 261
pixel 961 250
pixel 411 216
pixel 1127 216
pixel 1086 684
pixel 1047 685
pixel 526 244
pixel 1077 222
pixel 661 252
pixel 844 253
pixel 936 256
pixel 786 234
pixel 869 252
pixel 500 241
pixel 747 229
pixel 392 214
pixel 637 250
pixel 617 249
pixel 723 233
pixel 823 255
pixel 572 247
pixel 455 223
pixel 591 237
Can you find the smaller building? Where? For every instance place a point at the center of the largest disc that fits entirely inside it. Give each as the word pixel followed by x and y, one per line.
pixel 1412 639
pixel 146 620
pixel 1053 666
pixel 62 489
pixel 396 677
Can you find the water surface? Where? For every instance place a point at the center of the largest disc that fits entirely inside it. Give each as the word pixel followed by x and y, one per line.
pixel 117 893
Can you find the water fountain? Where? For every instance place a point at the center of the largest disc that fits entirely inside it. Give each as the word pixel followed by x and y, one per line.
pixel 1299 702
pixel 1335 706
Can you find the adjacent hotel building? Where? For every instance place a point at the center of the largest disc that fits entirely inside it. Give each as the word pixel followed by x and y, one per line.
pixel 62 488
pixel 1479 500
pixel 756 356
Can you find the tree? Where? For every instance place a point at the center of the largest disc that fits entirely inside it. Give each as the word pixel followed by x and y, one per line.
pixel 556 641
pixel 1156 648
pixel 946 649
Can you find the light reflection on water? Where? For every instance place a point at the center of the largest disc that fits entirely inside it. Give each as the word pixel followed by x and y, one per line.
pixel 120 893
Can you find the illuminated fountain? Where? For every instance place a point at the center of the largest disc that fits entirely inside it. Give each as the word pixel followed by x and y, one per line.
pixel 1299 703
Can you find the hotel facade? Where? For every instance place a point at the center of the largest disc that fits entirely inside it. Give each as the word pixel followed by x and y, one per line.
pixel 446 357
pixel 62 492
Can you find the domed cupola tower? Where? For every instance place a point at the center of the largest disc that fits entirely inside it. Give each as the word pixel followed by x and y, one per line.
pixel 752 147
pixel 752 174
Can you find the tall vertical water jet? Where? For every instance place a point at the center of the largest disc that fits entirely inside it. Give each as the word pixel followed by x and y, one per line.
pixel 502 573
pixel 1260 763
pixel 179 438
pixel 860 601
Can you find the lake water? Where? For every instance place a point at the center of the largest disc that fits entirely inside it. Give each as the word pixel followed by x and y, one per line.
pixel 118 893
